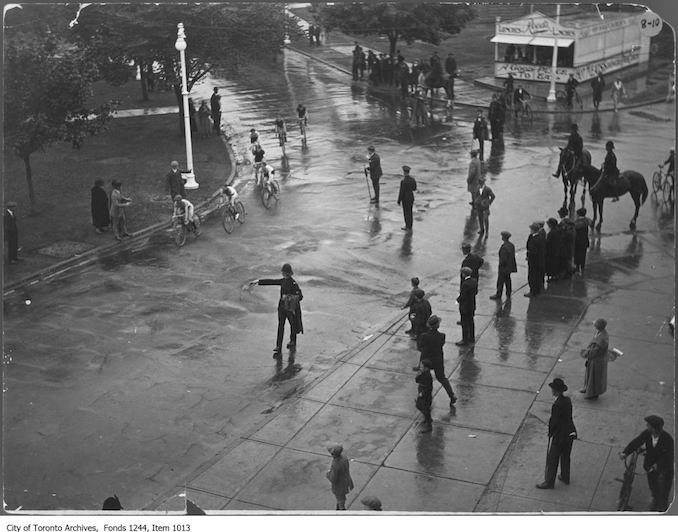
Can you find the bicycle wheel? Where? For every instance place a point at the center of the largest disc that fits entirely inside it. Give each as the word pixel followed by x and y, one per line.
pixel 179 233
pixel 627 483
pixel 656 183
pixel 266 197
pixel 240 209
pixel 227 220
pixel 667 191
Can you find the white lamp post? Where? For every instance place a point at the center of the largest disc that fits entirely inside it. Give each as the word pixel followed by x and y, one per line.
pixel 180 45
pixel 554 65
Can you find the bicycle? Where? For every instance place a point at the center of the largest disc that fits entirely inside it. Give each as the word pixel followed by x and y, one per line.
pixel 627 481
pixel 663 183
pixel 282 138
pixel 561 98
pixel 180 228
pixel 302 130
pixel 270 191
pixel 258 171
pixel 230 214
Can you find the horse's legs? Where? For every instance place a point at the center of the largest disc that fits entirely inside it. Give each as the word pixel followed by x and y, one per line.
pixel 600 221
pixel 573 190
pixel 564 190
pixel 583 192
pixel 636 201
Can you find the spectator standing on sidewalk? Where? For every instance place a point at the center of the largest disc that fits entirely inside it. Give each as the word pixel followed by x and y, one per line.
pixel 497 116
pixel 597 84
pixel 471 260
pixel 467 306
pixel 424 394
pixel 480 132
pixel 567 236
pixel 562 434
pixel 101 217
pixel 406 197
pixel 374 165
pixel 420 312
pixel 119 205
pixel 339 476
pixel 581 239
pixel 316 34
pixel 507 266
pixel 451 69
pixel 483 201
pixel 203 120
pixel 11 232
pixel 473 178
pixel 536 249
pixel 595 378
pixel 658 461
pixel 175 181
pixel 215 105
pixel 430 344
pixel 311 35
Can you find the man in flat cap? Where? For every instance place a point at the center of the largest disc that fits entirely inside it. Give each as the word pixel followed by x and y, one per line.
pixel 474 175
pixel 658 461
pixel 339 475
pixel 406 197
pixel 374 167
pixel 562 434
pixel 484 199
pixel 471 260
pixel 11 232
pixel 467 306
pixel 536 255
pixel 507 265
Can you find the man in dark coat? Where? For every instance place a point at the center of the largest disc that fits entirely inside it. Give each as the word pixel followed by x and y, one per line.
pixel 570 87
pixel 101 218
pixel 420 312
pixel 567 233
pixel 480 132
pixel 374 163
pixel 215 108
pixel 451 69
pixel 497 115
pixel 553 250
pixel 467 306
pixel 562 434
pixel 175 181
pixel 471 260
pixel 507 265
pixel 658 461
pixel 430 344
pixel 597 84
pixel 483 200
pixel 11 232
pixel 406 197
pixel 536 247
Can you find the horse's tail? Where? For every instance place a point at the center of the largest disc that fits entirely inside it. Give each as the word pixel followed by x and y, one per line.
pixel 644 191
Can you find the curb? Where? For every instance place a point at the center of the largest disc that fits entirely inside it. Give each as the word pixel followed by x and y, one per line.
pixel 108 249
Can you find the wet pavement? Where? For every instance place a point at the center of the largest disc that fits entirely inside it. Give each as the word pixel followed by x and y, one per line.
pixel 149 374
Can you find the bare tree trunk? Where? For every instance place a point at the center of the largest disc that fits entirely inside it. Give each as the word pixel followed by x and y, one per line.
pixel 29 181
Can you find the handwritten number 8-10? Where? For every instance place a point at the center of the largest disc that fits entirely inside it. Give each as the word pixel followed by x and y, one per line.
pixel 650 23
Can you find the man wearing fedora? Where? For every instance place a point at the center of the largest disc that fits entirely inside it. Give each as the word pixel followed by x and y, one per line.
pixel 374 168
pixel 658 461
pixel 406 197
pixel 507 265
pixel 562 434
pixel 467 306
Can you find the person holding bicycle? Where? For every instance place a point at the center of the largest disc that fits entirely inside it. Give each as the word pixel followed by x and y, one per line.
pixel 280 129
pixel 658 461
pixel 184 209
pixel 519 97
pixel 570 89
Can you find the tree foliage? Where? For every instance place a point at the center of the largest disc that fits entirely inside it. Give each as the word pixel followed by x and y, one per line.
pixel 47 82
pixel 407 21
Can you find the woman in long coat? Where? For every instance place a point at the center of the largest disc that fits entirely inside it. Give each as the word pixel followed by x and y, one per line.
pixel 595 380
pixel 339 476
pixel 101 217
pixel 552 249
pixel 289 308
pixel 581 239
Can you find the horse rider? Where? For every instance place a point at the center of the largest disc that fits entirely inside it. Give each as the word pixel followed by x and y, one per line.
pixel 609 173
pixel 576 145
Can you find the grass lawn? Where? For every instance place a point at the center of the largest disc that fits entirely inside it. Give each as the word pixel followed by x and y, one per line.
pixel 137 151
pixel 129 96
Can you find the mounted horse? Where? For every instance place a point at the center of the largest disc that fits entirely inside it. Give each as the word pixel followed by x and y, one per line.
pixel 570 172
pixel 629 181
pixel 433 80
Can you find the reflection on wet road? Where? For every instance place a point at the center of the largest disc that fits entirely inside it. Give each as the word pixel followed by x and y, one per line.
pixel 144 366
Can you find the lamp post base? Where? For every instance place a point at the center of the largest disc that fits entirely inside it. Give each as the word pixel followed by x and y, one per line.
pixel 191 183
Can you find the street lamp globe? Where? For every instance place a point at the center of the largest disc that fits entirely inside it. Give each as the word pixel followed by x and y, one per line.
pixel 180 45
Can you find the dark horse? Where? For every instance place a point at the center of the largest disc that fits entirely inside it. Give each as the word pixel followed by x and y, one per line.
pixel 628 181
pixel 570 175
pixel 434 80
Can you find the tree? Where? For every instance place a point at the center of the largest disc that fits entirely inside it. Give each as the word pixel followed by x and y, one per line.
pixel 47 82
pixel 408 21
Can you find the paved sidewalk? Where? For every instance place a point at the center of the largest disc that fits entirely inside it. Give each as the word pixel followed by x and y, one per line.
pixel 487 453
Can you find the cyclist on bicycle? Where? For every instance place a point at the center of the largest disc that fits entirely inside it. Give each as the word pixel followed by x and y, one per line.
pixel 671 161
pixel 230 195
pixel 254 136
pixel 258 154
pixel 519 97
pixel 302 114
pixel 575 144
pixel 267 174
pixel 280 129
pixel 184 209
pixel 570 89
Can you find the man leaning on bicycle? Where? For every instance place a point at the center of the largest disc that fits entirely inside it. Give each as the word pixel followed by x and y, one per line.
pixel 183 209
